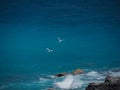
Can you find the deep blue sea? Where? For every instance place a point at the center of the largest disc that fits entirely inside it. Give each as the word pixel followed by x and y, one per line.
pixel 90 34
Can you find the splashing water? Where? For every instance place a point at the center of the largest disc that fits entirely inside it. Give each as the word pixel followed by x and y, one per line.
pixel 70 82
pixel 79 81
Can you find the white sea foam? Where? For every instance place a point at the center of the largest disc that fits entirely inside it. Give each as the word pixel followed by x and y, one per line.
pixel 96 75
pixel 79 81
pixel 51 76
pixel 93 73
pixel 70 82
pixel 114 73
pixel 43 81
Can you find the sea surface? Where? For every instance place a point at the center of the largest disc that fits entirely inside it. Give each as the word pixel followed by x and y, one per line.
pixel 90 34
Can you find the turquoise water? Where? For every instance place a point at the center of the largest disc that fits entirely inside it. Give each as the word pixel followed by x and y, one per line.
pixel 91 41
pixel 26 64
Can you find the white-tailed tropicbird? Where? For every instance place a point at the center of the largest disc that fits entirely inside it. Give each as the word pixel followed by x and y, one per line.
pixel 59 40
pixel 49 50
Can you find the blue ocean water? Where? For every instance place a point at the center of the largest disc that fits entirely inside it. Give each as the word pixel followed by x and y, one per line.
pixel 91 34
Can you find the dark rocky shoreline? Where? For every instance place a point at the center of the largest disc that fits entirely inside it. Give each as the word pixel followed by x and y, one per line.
pixel 110 83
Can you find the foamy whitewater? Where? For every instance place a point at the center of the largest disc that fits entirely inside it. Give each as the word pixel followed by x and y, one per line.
pixel 81 81
pixel 69 82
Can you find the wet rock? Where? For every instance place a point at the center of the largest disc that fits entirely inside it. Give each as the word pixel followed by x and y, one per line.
pixel 77 71
pixel 112 79
pixel 61 74
pixel 50 89
pixel 111 83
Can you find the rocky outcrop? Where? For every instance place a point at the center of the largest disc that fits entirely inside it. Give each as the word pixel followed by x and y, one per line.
pixel 111 83
pixel 112 79
pixel 77 71
pixel 61 74
pixel 50 89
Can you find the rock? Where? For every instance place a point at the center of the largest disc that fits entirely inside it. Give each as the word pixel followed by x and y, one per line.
pixel 112 79
pixel 111 83
pixel 77 71
pixel 61 74
pixel 50 89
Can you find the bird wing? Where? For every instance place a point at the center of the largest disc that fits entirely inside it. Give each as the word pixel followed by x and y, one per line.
pixel 47 49
pixel 59 38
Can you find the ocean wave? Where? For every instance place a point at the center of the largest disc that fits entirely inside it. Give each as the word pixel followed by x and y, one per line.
pixel 81 81
pixel 68 82
pixel 111 73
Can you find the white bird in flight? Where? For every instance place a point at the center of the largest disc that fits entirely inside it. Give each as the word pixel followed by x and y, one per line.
pixel 49 50
pixel 60 40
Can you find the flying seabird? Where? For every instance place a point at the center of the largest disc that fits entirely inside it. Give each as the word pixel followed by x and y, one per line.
pixel 59 40
pixel 49 50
